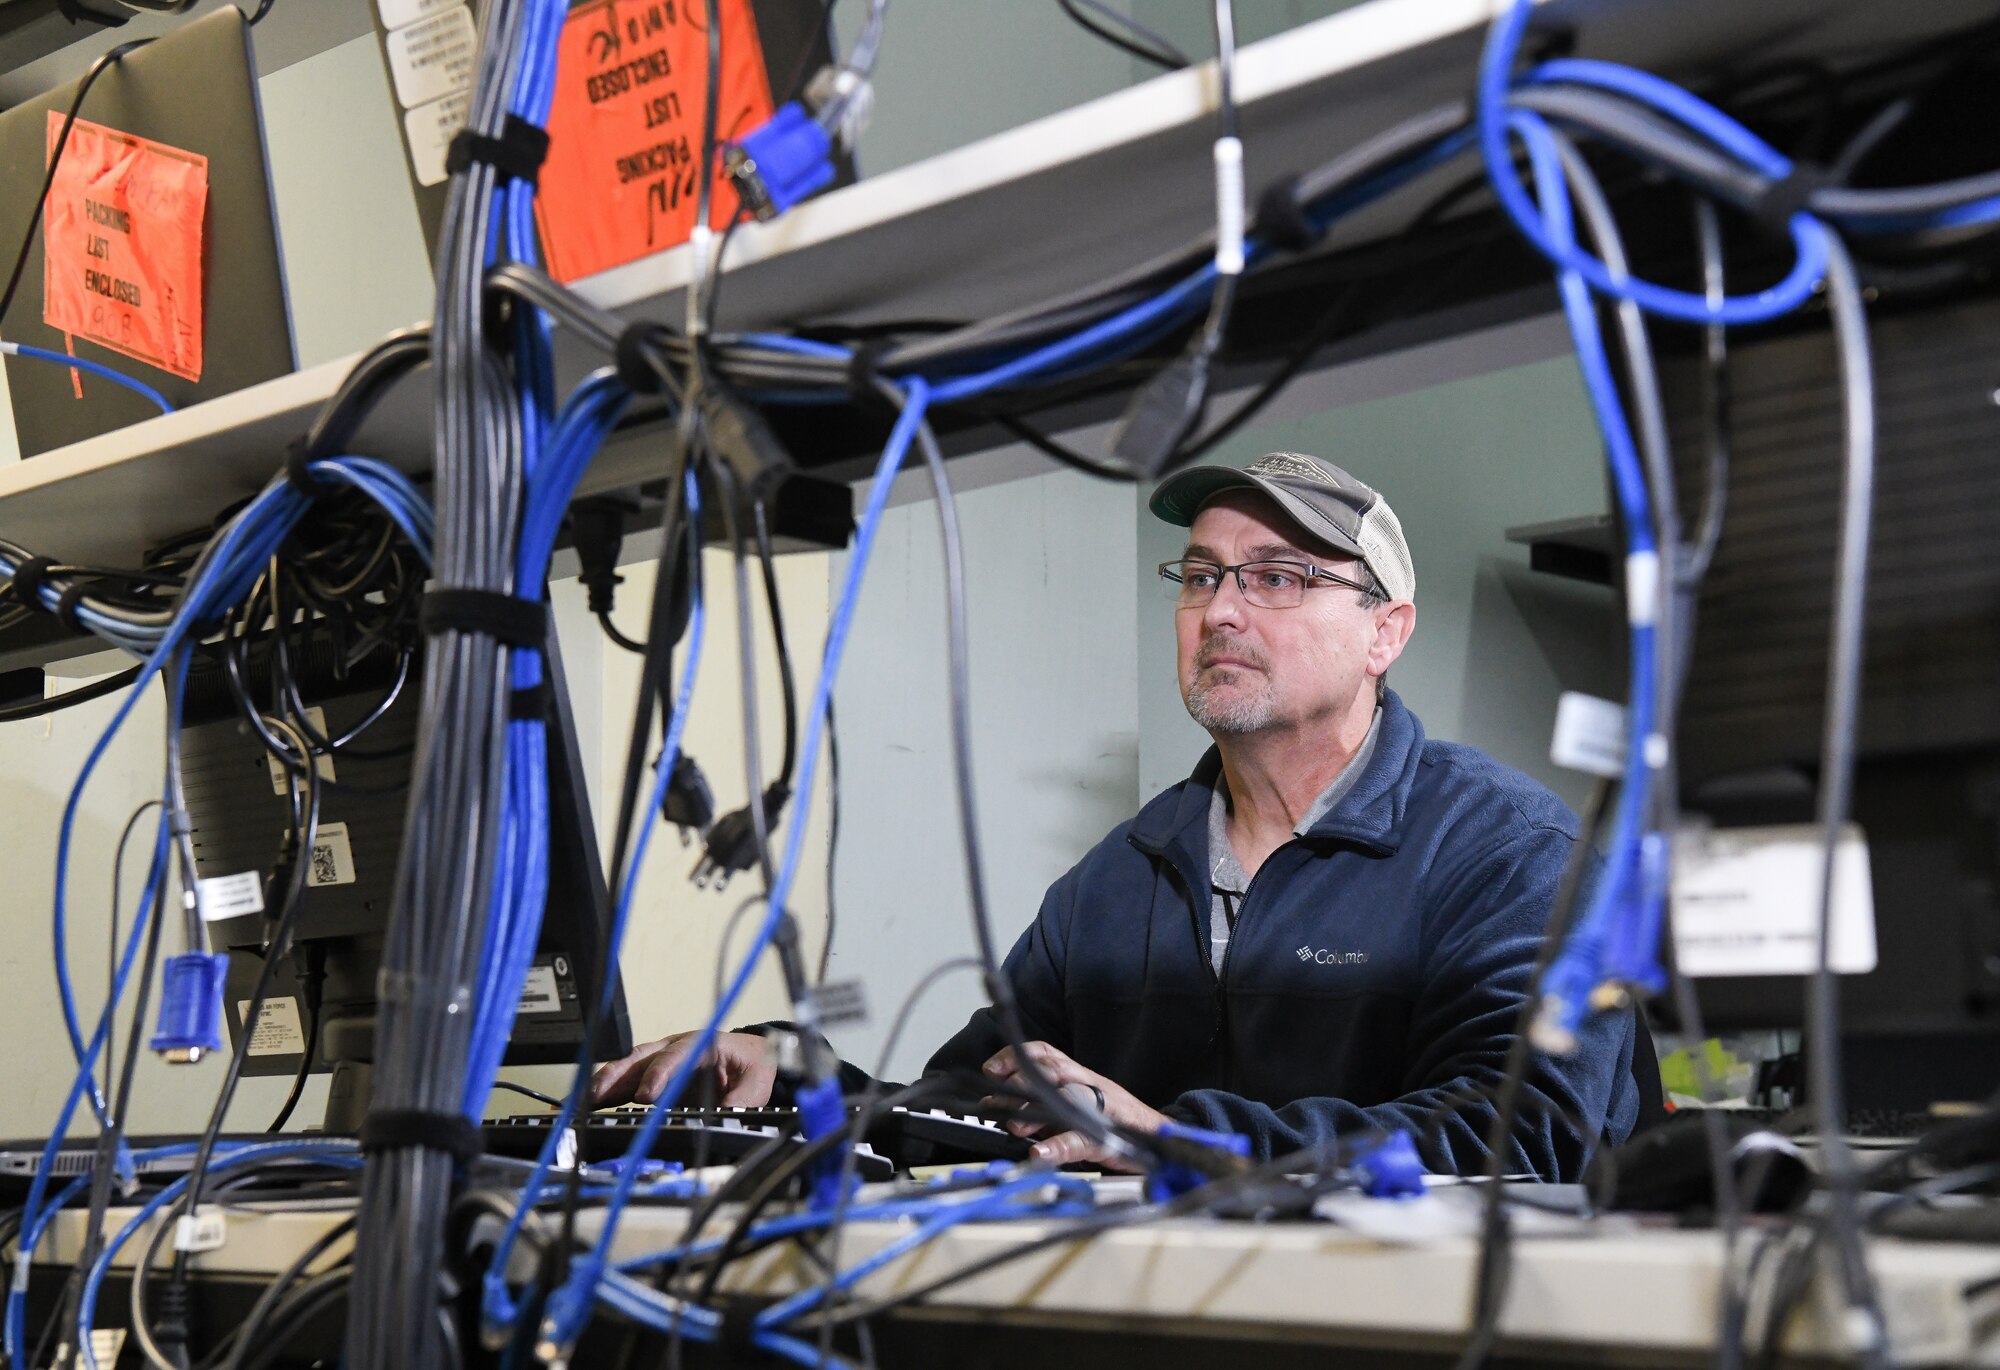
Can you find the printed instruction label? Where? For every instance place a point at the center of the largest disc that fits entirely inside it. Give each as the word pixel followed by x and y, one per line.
pixel 277 1031
pixel 433 57
pixel 230 896
pixel 429 130
pixel 281 784
pixel 106 1343
pixel 398 13
pixel 1746 902
pixel 332 856
pixel 539 993
pixel 625 128
pixel 202 1230
pixel 122 225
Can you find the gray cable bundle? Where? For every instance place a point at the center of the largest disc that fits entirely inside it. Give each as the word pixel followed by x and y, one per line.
pixel 397 1318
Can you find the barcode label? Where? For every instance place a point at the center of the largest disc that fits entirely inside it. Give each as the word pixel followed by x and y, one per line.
pixel 332 856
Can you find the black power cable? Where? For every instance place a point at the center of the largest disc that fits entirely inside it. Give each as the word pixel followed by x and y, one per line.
pixel 1137 40
pixel 97 69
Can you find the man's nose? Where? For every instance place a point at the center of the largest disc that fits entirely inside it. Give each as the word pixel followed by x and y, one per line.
pixel 1228 606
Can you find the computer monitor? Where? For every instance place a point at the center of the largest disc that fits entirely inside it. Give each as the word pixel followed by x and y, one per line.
pixel 175 121
pixel 239 810
pixel 1924 1026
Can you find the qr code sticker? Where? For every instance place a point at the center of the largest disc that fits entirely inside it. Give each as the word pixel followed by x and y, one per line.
pixel 332 856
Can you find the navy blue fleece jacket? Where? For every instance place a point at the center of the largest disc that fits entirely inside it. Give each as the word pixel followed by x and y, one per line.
pixel 1372 980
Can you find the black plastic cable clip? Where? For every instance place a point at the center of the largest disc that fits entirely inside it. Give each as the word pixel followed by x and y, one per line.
pixel 530 704
pixel 515 622
pixel 635 370
pixel 407 1129
pixel 25 589
pixel 1282 220
pixel 1783 199
pixel 517 154
pixel 298 472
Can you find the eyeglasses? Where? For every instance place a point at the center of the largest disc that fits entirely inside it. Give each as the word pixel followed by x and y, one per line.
pixel 1266 584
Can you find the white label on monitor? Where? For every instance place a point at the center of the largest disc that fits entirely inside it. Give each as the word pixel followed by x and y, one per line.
pixel 429 130
pixel 106 1343
pixel 1746 902
pixel 230 896
pixel 1590 735
pixel 280 782
pixel 538 991
pixel 332 856
pixel 278 1031
pixel 433 57
pixel 396 13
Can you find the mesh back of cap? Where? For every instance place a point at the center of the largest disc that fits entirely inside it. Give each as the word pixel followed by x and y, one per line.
pixel 1388 555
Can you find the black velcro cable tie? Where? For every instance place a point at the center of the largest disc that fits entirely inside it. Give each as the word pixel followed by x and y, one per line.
pixel 530 704
pixel 736 1334
pixel 405 1129
pixel 864 375
pixel 26 587
pixel 635 367
pixel 1282 221
pixel 66 607
pixel 517 154
pixel 1783 199
pixel 515 622
pixel 299 474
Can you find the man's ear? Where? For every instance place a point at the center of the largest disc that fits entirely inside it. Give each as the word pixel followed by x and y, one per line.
pixel 1394 622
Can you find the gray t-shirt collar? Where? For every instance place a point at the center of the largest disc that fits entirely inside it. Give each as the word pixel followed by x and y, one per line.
pixel 1225 871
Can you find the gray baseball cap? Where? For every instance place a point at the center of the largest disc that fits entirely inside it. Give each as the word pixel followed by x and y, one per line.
pixel 1328 503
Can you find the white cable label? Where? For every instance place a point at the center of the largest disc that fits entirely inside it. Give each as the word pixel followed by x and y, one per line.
pixel 229 896
pixel 1229 206
pixel 202 1230
pixel 1590 735
pixel 1642 588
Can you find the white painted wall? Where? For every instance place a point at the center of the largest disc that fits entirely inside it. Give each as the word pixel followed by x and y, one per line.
pixel 1050 564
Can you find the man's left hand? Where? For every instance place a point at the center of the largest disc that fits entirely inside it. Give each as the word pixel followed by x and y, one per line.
pixel 1117 1103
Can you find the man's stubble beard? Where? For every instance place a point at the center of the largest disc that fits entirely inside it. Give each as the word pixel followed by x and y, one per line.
pixel 1221 706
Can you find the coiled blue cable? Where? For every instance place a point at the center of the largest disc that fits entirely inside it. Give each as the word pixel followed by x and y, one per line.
pixel 1496 121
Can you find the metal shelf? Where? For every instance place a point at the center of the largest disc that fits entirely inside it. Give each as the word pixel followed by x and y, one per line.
pixel 1042 208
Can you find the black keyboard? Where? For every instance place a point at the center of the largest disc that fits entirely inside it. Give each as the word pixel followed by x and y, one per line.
pixel 1858 1124
pixel 905 1137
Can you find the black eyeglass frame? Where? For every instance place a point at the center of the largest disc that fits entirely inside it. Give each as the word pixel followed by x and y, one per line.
pixel 1309 574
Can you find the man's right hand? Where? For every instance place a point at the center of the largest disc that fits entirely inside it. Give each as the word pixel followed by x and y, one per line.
pixel 742 1062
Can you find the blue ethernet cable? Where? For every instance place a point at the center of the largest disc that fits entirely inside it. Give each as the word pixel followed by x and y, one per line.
pixel 1495 122
pixel 568 1307
pixel 132 383
pixel 33 1212
pixel 1578 968
pixel 328 1151
pixel 498 1310
pixel 992 1203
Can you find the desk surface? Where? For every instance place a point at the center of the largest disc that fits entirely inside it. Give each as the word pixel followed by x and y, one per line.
pixel 1648 1292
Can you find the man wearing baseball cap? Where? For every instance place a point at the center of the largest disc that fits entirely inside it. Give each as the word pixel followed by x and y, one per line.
pixel 1328 929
